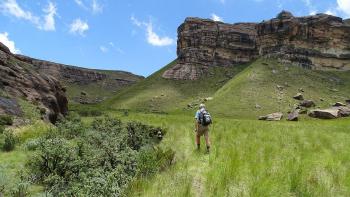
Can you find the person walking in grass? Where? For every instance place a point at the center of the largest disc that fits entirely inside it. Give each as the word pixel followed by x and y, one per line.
pixel 202 122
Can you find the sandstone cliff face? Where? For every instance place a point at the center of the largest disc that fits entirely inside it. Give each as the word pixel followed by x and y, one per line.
pixel 317 42
pixel 20 80
pixel 203 43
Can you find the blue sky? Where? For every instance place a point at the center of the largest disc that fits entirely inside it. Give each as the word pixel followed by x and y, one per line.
pixel 133 35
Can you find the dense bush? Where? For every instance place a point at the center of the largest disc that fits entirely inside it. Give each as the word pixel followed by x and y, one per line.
pixel 6 120
pixel 9 141
pixel 96 160
pixel 2 129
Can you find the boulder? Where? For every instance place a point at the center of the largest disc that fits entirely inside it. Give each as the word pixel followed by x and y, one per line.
pixel 338 104
pixel 299 96
pixel 343 111
pixel 272 117
pixel 294 115
pixel 257 106
pixel 208 99
pixel 330 113
pixel 347 101
pixel 307 103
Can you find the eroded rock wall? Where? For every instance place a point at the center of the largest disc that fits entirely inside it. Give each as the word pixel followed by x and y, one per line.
pixel 316 42
pixel 20 80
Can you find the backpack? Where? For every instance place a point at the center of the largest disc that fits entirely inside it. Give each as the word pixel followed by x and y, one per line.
pixel 204 118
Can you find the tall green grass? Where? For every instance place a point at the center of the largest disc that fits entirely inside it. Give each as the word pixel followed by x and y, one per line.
pixel 253 158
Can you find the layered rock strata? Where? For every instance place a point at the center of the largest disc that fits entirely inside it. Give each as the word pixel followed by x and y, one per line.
pixel 316 42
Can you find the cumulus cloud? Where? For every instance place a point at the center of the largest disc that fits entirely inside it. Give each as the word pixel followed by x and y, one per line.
pixel 4 38
pixel 344 7
pixel 46 23
pixel 215 17
pixel 79 27
pixel 152 37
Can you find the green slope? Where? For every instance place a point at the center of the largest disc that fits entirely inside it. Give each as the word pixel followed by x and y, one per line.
pixel 258 85
pixel 101 89
pixel 156 94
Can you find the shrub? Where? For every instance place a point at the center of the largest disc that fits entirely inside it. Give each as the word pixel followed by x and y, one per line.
pixel 152 160
pixel 10 141
pixel 32 144
pixel 20 190
pixel 96 160
pixel 6 120
pixel 2 129
pixel 86 112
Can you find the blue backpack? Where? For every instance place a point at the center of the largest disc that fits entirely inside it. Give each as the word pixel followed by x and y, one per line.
pixel 204 118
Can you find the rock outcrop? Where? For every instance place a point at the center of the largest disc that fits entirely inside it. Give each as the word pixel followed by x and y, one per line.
pixel 203 43
pixel 21 80
pixel 316 42
pixel 272 117
pixel 77 75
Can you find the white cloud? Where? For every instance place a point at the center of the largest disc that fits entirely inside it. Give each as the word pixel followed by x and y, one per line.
pixel 152 37
pixel 4 38
pixel 96 7
pixel 79 27
pixel 135 21
pixel 104 49
pixel 331 12
pixel 80 3
pixel 47 23
pixel 155 39
pixel 11 7
pixel 310 6
pixel 49 19
pixel 344 7
pixel 93 6
pixel 215 17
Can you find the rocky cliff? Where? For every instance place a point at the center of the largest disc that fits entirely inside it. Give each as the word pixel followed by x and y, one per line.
pixel 96 85
pixel 316 42
pixel 19 79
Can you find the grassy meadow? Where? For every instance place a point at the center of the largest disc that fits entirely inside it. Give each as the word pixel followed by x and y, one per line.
pixel 252 158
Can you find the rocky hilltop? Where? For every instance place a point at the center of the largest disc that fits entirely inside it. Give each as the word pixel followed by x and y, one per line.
pixel 316 42
pixel 19 79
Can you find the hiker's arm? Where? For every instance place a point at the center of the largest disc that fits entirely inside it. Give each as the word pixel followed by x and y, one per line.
pixel 195 124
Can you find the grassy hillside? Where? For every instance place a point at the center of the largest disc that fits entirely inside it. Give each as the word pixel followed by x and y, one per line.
pixel 272 85
pixel 156 94
pixel 100 90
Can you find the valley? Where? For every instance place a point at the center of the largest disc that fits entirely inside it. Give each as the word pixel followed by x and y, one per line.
pixel 71 131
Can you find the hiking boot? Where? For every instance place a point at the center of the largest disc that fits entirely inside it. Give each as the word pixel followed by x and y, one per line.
pixel 208 149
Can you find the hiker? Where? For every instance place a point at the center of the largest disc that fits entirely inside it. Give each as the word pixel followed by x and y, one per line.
pixel 202 122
